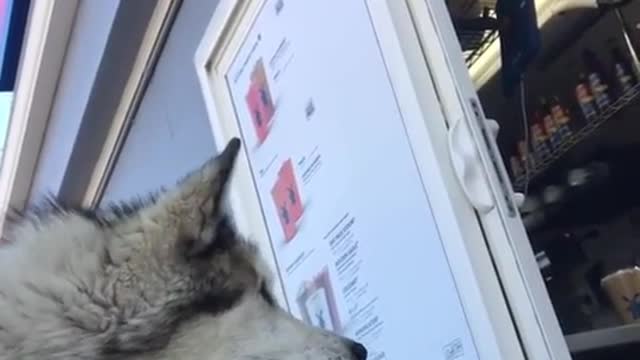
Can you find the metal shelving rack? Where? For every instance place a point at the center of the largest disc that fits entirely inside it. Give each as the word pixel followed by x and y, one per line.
pixel 629 98
pixel 476 32
pixel 475 41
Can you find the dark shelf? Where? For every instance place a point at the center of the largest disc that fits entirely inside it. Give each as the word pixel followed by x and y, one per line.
pixel 604 339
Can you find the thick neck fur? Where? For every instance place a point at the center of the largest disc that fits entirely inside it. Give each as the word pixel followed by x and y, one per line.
pixel 54 289
pixel 60 282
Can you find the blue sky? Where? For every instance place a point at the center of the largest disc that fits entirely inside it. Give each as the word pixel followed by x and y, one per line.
pixel 5 110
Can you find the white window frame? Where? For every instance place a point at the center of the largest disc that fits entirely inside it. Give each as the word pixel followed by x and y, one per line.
pixel 46 38
pixel 148 54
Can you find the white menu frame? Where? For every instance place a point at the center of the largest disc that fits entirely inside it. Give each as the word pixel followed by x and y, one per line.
pixel 484 305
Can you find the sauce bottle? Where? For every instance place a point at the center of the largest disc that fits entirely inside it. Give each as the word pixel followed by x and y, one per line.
pixel 525 157
pixel 597 79
pixel 540 145
pixel 561 117
pixel 585 98
pixel 549 125
pixel 626 78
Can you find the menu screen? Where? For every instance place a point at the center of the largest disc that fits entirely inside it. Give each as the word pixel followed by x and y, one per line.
pixel 350 223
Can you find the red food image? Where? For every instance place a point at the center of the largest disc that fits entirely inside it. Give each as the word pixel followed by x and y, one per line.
pixel 288 180
pixel 260 102
pixel 281 202
pixel 286 197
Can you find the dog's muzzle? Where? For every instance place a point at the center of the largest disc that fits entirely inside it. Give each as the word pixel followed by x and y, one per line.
pixel 358 351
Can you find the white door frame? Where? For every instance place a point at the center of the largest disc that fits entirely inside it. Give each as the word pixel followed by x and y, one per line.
pixel 507 239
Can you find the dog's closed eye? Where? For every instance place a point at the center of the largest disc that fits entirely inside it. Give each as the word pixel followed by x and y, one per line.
pixel 266 295
pixel 207 244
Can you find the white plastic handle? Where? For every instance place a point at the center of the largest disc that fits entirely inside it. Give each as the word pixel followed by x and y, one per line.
pixel 494 127
pixel 518 199
pixel 468 168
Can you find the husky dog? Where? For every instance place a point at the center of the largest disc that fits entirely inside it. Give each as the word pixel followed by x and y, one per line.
pixel 167 278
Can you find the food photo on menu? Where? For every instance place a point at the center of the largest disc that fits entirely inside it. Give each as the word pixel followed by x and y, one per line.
pixel 260 102
pixel 318 304
pixel 287 200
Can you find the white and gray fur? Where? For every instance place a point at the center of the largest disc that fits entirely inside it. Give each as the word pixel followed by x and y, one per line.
pixel 164 278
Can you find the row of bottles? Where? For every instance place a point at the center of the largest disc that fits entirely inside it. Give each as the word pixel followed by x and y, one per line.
pixel 552 123
pixel 597 87
pixel 550 126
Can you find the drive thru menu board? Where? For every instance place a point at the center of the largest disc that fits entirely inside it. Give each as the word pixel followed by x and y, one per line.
pixel 351 226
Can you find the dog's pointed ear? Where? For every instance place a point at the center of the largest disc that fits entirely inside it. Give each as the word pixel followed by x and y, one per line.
pixel 210 181
pixel 196 204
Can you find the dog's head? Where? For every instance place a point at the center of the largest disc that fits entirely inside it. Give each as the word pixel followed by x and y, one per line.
pixel 178 265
